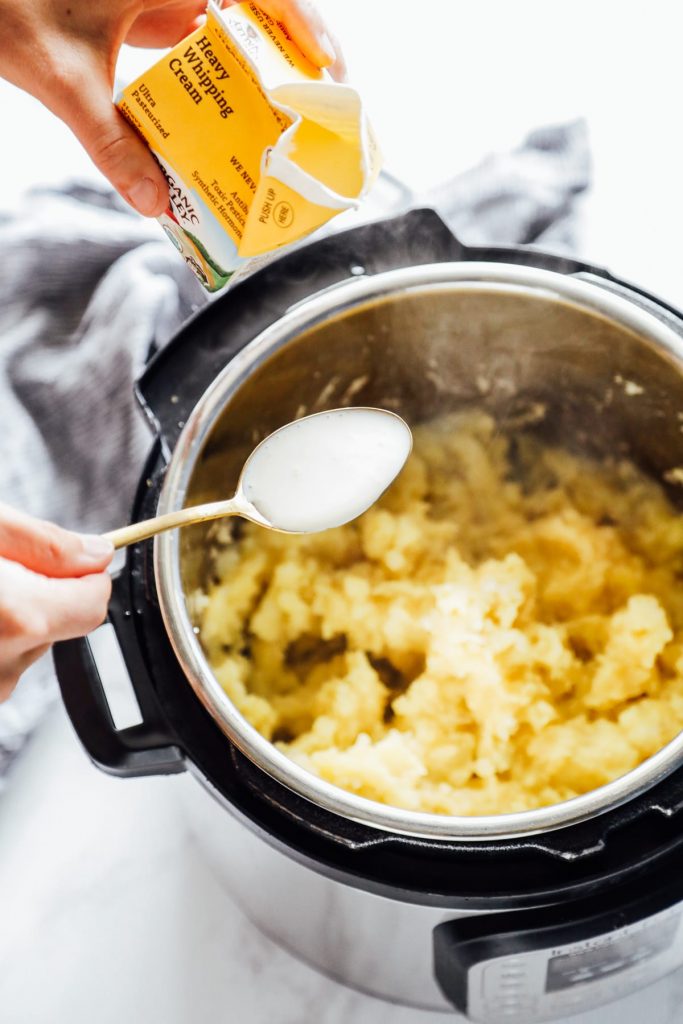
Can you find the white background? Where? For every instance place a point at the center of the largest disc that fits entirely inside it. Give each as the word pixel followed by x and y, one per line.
pixel 107 912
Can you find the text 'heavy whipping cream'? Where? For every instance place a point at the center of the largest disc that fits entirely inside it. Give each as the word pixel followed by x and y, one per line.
pixel 258 145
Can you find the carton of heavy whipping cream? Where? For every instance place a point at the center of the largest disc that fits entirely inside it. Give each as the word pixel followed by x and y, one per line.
pixel 259 146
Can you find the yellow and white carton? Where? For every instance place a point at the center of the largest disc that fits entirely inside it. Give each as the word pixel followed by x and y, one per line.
pixel 258 145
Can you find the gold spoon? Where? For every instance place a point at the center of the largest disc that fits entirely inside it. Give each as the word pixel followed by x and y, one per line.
pixel 316 473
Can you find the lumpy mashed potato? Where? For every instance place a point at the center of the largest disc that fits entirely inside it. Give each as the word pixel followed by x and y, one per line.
pixel 503 630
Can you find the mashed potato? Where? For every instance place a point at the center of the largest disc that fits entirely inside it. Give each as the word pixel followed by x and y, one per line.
pixel 504 630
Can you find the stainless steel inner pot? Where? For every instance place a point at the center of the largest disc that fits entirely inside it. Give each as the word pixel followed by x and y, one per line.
pixel 564 355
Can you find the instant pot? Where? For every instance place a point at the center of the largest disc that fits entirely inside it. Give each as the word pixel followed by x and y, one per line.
pixel 520 917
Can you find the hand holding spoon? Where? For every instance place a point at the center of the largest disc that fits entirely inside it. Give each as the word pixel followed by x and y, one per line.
pixel 311 475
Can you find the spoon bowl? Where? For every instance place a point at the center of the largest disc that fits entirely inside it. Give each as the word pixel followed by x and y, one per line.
pixel 313 474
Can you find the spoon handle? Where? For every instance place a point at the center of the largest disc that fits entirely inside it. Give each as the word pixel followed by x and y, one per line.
pixel 183 517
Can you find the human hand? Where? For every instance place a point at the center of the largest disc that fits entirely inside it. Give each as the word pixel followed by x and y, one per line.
pixel 64 53
pixel 53 586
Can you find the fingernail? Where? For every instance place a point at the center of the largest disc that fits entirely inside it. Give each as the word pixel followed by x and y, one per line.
pixel 96 548
pixel 144 196
pixel 327 46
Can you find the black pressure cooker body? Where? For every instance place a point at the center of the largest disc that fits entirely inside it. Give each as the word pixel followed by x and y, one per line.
pixel 594 903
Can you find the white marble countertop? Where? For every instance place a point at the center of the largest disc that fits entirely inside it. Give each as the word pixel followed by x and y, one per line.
pixel 107 911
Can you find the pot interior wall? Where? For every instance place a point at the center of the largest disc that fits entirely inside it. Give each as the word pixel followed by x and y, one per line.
pixel 535 362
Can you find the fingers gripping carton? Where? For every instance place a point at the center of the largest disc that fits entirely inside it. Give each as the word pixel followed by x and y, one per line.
pixel 259 146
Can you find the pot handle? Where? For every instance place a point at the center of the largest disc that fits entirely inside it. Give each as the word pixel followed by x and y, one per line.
pixel 148 748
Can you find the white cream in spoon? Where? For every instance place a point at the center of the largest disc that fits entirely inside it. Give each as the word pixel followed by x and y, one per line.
pixel 326 469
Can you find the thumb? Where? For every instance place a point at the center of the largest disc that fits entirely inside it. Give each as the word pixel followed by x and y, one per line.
pixel 45 548
pixel 114 147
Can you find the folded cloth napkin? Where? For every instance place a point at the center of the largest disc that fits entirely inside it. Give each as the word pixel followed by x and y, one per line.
pixel 88 289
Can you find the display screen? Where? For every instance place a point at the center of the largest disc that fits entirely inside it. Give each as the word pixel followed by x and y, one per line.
pixel 584 965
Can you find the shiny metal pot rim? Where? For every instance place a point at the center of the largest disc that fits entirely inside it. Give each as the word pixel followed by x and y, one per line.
pixel 588 294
